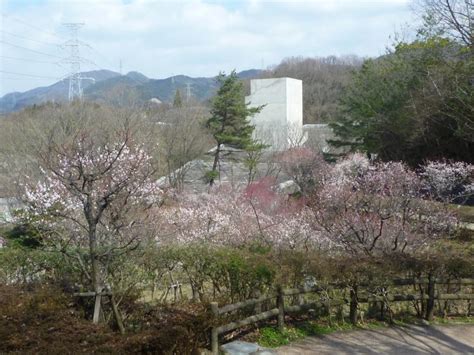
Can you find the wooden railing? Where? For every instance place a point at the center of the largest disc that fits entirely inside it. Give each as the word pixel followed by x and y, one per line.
pixel 280 308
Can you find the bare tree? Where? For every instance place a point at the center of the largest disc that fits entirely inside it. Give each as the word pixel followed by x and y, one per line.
pixel 90 198
pixel 455 17
pixel 24 134
pixel 89 185
pixel 182 139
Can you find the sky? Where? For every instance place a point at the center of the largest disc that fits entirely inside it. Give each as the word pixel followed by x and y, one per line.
pixel 162 38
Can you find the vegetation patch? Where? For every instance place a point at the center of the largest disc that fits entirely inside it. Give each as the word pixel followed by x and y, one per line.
pixel 271 337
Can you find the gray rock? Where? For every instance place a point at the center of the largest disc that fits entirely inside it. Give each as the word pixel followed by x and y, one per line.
pixel 7 206
pixel 288 187
pixel 232 168
pixel 245 348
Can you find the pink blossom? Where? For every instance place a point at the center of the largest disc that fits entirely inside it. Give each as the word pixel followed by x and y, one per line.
pixel 106 185
pixel 305 166
pixel 230 217
pixel 379 210
pixel 448 181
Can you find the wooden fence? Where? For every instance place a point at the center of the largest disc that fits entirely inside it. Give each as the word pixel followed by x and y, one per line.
pixel 428 294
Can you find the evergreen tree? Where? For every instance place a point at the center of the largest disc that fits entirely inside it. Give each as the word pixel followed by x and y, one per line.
pixel 229 122
pixel 415 104
pixel 177 101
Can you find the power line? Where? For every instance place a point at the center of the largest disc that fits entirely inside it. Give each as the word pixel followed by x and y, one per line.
pixel 21 78
pixel 31 26
pixel 74 59
pixel 29 75
pixel 28 39
pixel 103 57
pixel 26 59
pixel 31 50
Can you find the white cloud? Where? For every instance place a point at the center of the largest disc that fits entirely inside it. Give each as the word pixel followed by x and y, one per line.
pixel 195 37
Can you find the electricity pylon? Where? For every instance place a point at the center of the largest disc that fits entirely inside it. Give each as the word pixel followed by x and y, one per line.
pixel 74 60
pixel 188 91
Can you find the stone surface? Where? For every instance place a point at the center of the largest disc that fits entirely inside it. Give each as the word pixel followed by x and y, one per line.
pixel 245 348
pixel 7 205
pixel 288 187
pixel 453 339
pixel 317 137
pixel 233 170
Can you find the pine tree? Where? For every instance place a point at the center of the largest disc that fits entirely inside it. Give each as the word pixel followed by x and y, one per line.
pixel 177 101
pixel 229 122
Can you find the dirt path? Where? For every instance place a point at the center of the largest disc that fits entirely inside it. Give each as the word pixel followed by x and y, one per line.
pixel 452 339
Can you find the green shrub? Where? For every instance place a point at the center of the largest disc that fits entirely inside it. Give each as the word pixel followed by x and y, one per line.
pixel 24 265
pixel 272 337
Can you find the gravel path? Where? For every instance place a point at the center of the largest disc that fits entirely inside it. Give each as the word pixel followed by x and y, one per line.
pixel 451 339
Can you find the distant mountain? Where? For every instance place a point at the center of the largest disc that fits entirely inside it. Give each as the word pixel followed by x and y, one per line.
pixel 137 77
pixel 250 74
pixel 111 87
pixel 56 92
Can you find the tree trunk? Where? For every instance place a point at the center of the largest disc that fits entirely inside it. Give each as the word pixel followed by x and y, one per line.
pixel 94 271
pixel 216 162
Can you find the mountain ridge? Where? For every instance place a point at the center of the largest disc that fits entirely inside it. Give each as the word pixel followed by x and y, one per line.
pixel 112 87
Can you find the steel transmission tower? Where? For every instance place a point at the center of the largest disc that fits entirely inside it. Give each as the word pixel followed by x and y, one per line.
pixel 188 91
pixel 74 60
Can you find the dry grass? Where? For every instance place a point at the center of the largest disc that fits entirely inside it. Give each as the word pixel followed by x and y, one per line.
pixel 45 321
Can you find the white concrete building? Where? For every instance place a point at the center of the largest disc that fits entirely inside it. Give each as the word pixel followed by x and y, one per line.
pixel 280 123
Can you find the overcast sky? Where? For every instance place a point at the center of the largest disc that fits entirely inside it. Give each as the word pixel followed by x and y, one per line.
pixel 193 37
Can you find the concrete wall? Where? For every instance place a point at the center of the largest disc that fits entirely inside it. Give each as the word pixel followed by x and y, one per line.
pixel 317 137
pixel 282 117
pixel 294 91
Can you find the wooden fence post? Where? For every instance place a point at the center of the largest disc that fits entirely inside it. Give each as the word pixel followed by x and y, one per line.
pixel 328 306
pixel 258 305
pixel 118 317
pixel 95 318
pixel 353 305
pixel 281 309
pixel 431 298
pixel 214 333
